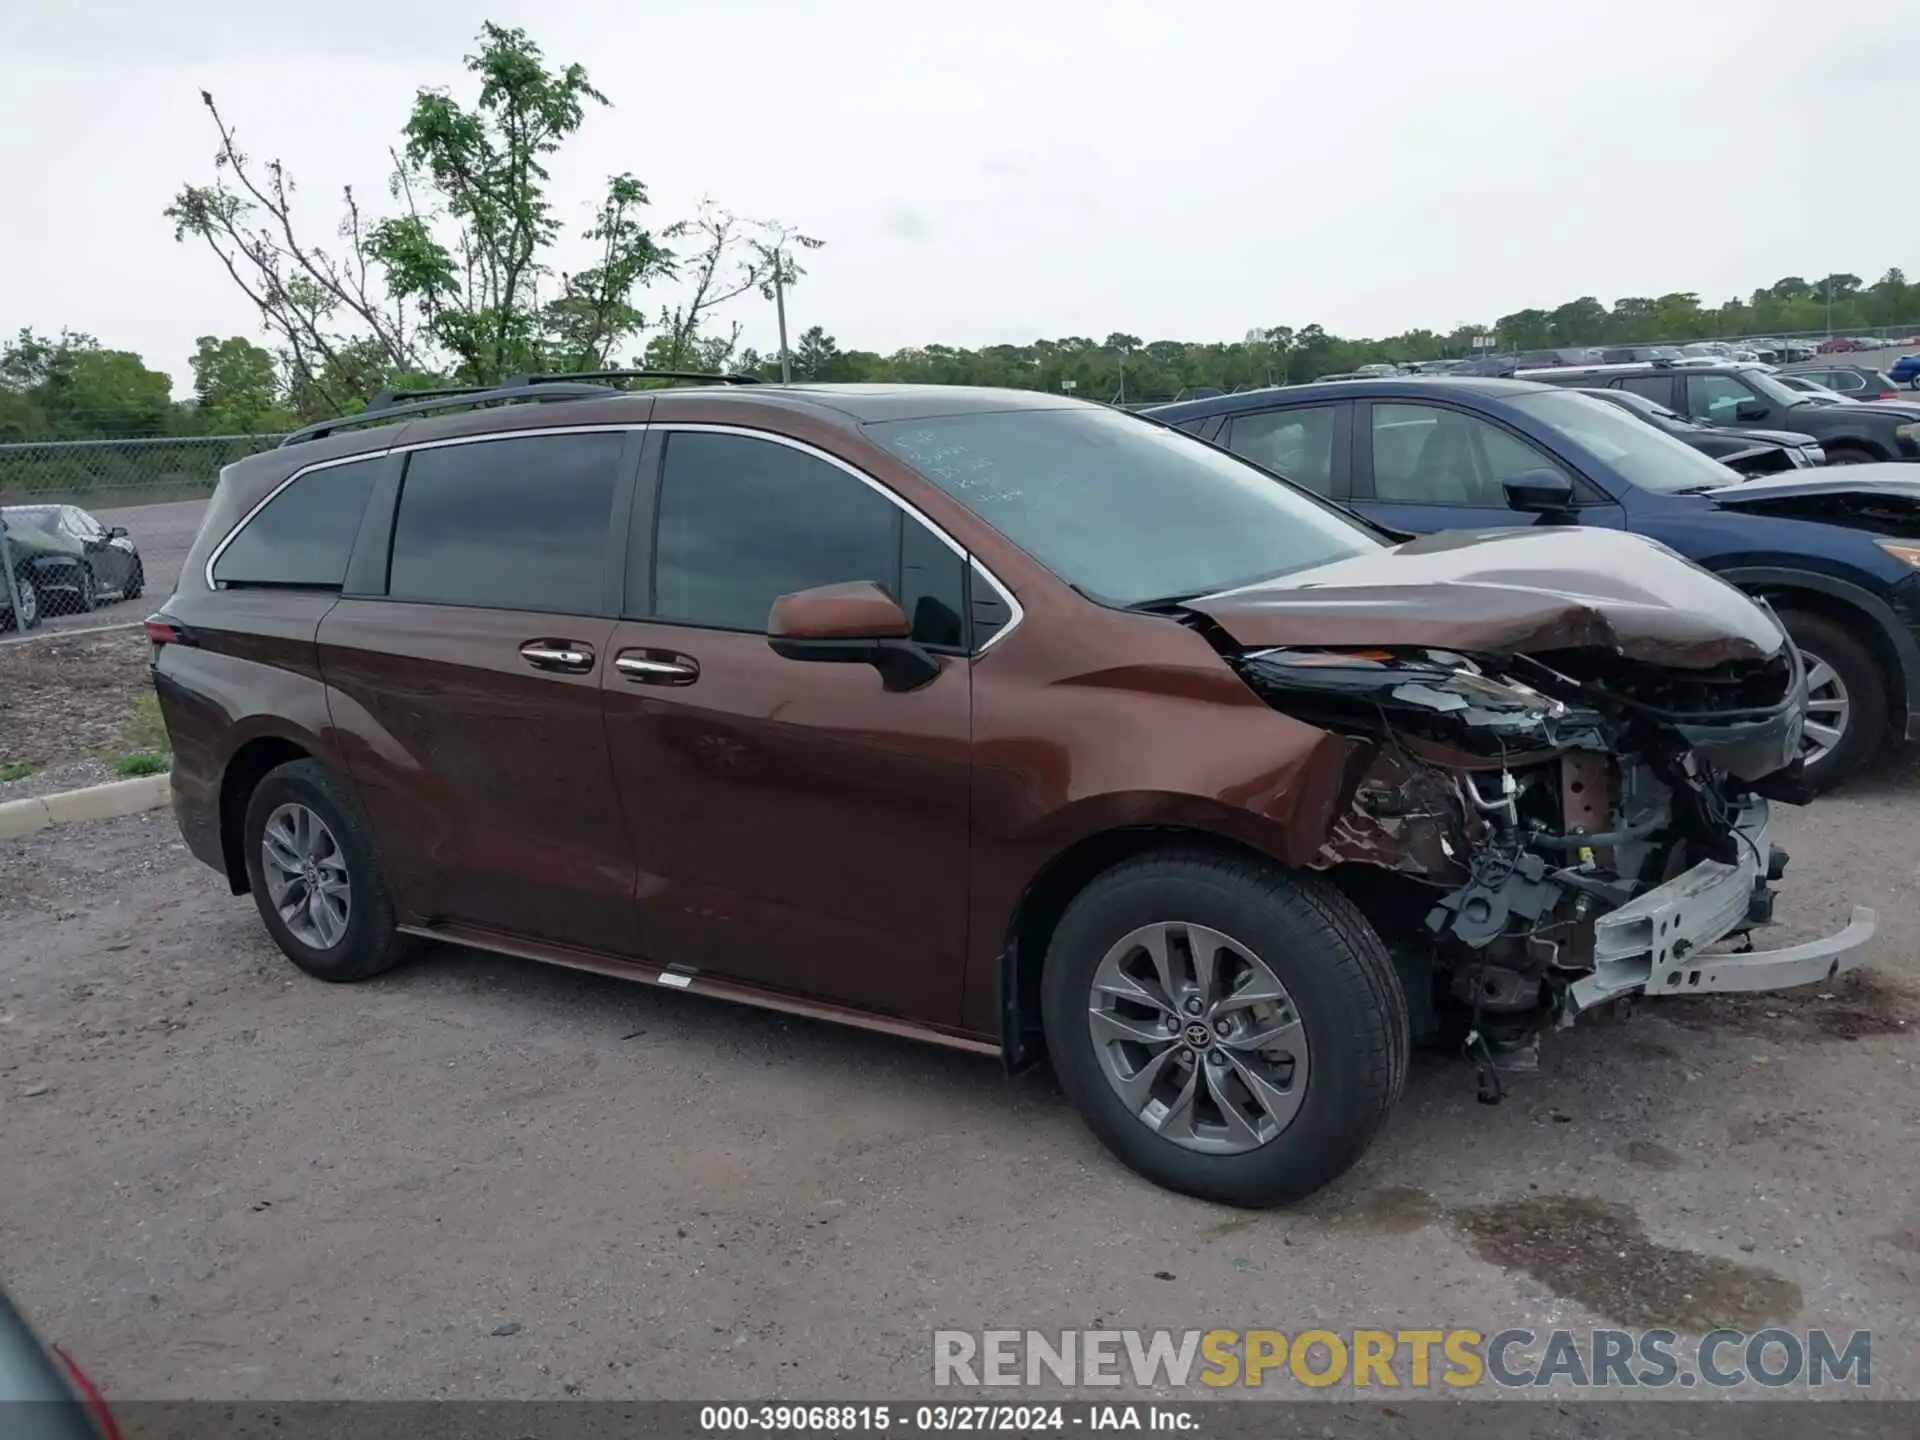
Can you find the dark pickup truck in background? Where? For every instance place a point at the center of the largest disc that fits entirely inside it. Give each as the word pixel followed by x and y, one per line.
pixel 1744 395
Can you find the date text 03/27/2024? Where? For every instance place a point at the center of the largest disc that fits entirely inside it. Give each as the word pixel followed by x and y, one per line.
pixel 941 1419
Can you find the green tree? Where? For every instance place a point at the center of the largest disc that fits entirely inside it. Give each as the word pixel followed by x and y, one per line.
pixel 70 388
pixel 236 387
pixel 460 282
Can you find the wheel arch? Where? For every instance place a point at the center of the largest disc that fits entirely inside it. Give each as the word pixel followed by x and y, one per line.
pixel 1865 443
pixel 244 771
pixel 1037 914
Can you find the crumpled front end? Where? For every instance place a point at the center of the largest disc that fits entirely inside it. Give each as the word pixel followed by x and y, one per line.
pixel 1538 834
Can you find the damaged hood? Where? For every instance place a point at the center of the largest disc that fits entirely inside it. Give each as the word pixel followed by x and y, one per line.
pixel 1508 592
pixel 1887 482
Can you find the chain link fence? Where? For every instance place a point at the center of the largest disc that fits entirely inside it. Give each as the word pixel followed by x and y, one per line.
pixel 107 473
pixel 56 556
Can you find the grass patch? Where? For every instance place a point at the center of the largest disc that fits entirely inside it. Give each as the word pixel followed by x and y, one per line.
pixel 128 766
pixel 16 770
pixel 146 731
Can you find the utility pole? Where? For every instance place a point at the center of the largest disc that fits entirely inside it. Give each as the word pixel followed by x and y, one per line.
pixel 1829 304
pixel 780 308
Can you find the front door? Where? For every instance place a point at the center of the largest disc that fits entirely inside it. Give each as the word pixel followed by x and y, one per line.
pixel 797 825
pixel 468 695
pixel 1425 468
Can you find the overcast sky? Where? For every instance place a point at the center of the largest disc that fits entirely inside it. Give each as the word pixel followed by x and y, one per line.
pixel 1000 171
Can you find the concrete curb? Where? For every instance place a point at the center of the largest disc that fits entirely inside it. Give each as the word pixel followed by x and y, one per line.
pixel 96 802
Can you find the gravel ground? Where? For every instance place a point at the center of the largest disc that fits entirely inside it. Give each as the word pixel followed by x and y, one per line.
pixel 482 1178
pixel 66 701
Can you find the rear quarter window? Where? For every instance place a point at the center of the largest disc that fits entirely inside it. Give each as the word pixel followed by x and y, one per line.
pixel 301 538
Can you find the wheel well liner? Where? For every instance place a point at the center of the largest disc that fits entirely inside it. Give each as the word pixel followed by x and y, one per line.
pixel 249 765
pixel 1045 900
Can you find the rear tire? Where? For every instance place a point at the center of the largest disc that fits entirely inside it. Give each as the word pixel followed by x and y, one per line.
pixel 1341 1023
pixel 1857 681
pixel 136 582
pixel 304 833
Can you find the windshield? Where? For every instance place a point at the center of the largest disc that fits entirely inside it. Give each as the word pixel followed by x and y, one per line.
pixel 1641 405
pixel 1645 456
pixel 1121 509
pixel 45 518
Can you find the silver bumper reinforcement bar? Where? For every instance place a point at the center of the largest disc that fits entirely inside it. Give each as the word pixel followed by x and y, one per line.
pixel 1652 945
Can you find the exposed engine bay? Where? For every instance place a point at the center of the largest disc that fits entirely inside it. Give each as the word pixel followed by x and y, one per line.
pixel 1537 834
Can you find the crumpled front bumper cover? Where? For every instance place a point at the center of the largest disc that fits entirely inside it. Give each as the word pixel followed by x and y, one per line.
pixel 1652 944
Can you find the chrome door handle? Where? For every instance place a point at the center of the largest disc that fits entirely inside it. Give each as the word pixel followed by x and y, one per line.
pixel 656 671
pixel 548 655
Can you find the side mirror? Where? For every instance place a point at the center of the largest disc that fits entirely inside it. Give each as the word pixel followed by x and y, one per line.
pixel 1750 410
pixel 116 532
pixel 852 624
pixel 1540 492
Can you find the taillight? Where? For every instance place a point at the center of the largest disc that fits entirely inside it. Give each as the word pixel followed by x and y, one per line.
pixel 163 630
pixel 90 1392
pixel 1886 395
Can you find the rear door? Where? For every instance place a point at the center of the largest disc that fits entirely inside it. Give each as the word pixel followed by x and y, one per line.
pixel 1426 467
pixel 465 677
pixel 798 826
pixel 1309 444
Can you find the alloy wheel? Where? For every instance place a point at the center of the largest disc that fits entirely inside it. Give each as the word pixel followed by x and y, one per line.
pixel 1198 1038
pixel 306 874
pixel 1828 709
pixel 29 603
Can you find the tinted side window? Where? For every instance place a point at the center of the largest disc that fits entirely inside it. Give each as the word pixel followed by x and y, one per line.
pixel 1424 455
pixel 305 533
pixel 744 521
pixel 1654 387
pixel 933 587
pixel 1295 443
pixel 508 524
pixel 1715 398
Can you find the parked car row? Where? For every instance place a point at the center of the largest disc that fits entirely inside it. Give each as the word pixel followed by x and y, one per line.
pixel 65 562
pixel 1835 552
pixel 1763 352
pixel 1016 722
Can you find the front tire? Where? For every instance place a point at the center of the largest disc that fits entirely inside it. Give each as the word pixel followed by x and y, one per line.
pixel 86 592
pixel 1846 699
pixel 1227 1029
pixel 316 876
pixel 1850 455
pixel 27 616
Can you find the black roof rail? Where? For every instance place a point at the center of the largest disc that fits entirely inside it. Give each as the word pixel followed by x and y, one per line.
pixel 451 398
pixel 701 377
pixel 387 399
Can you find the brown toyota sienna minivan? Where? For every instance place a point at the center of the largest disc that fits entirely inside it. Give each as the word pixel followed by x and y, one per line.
pixel 995 718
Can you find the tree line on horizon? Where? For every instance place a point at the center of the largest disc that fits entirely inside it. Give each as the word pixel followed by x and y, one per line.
pixel 70 387
pixel 456 281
